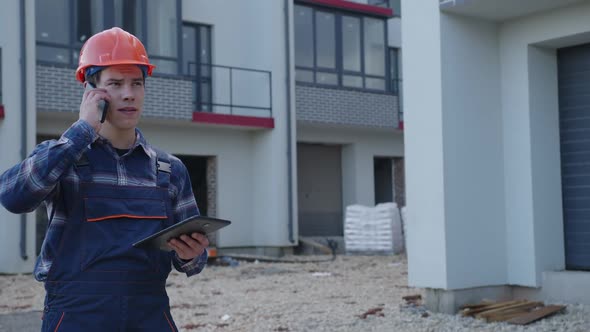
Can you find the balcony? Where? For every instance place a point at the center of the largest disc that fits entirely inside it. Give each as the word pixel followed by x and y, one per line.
pixel 321 105
pixel 211 94
pixel 231 95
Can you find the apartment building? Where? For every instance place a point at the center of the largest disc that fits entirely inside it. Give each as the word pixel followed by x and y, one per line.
pixel 497 154
pixel 347 87
pixel 283 111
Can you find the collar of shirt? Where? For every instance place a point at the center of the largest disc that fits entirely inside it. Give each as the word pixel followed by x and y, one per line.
pixel 139 141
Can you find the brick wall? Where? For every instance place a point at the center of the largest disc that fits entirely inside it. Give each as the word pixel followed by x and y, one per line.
pixel 345 107
pixel 212 186
pixel 399 181
pixel 58 91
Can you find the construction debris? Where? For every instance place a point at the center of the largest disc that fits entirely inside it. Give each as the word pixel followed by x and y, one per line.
pixel 374 311
pixel 413 299
pixel 519 312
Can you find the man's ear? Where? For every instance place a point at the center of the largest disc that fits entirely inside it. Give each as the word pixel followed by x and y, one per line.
pixel 93 79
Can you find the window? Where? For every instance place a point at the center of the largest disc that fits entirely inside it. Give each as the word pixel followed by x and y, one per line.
pixel 162 35
pixel 374 53
pixel 128 15
pixel 53 31
pixel 394 62
pixel 351 52
pixel 325 50
pixel 62 27
pixel 304 50
pixel 338 49
pixel 196 62
pixel 89 19
pixel 395 5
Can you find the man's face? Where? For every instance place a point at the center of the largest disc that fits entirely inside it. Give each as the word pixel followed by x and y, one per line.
pixel 125 86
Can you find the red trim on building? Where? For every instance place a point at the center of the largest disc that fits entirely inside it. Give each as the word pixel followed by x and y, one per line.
pixel 1 111
pixel 400 125
pixel 234 120
pixel 352 6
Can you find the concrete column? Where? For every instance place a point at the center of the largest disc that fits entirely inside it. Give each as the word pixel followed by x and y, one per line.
pixel 546 162
pixel 11 129
pixel 426 232
pixel 453 142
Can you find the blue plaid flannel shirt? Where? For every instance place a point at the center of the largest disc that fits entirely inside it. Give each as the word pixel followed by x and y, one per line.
pixel 38 178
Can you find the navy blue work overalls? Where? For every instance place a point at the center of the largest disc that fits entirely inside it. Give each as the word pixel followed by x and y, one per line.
pixel 98 281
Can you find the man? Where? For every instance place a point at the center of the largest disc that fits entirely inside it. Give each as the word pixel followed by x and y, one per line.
pixel 105 188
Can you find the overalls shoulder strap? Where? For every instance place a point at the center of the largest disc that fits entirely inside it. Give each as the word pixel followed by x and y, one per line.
pixel 82 165
pixel 164 168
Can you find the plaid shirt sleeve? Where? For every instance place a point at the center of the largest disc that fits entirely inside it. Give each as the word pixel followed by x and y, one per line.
pixel 27 184
pixel 192 267
pixel 185 206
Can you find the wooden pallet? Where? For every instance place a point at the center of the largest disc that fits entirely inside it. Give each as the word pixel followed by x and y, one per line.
pixel 519 312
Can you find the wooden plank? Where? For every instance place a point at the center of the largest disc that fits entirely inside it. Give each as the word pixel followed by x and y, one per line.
pixel 536 314
pixel 486 307
pixel 475 306
pixel 512 312
pixel 492 306
pixel 505 317
pixel 524 305
pixel 523 309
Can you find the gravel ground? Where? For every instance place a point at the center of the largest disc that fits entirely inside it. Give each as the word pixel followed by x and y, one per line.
pixel 352 293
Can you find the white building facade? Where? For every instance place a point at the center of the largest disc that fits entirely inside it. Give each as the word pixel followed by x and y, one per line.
pixel 496 154
pixel 349 116
pixel 226 99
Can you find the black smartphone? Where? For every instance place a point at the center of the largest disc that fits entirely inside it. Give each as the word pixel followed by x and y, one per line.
pixel 102 104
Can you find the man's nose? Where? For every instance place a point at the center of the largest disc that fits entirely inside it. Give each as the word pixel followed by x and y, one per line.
pixel 128 94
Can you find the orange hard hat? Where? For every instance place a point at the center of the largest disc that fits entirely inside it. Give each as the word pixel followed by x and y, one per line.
pixel 111 47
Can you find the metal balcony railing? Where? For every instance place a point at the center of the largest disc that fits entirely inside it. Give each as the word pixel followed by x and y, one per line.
pixel 231 90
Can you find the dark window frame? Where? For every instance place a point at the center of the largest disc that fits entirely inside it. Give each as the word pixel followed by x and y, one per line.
pixel 394 80
pixel 200 99
pixel 179 22
pixel 339 70
pixel 387 4
pixel 73 47
pixel 315 44
pixel 362 42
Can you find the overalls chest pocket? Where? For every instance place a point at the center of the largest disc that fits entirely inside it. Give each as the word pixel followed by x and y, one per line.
pixel 110 228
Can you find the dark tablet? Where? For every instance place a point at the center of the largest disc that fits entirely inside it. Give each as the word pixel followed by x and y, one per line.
pixel 204 225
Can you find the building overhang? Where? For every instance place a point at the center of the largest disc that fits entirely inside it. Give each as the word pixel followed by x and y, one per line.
pixel 351 7
pixel 501 10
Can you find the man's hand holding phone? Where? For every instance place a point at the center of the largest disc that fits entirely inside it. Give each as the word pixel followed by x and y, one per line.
pixel 95 103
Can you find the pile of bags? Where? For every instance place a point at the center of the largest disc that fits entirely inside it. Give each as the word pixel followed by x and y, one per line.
pixel 374 230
